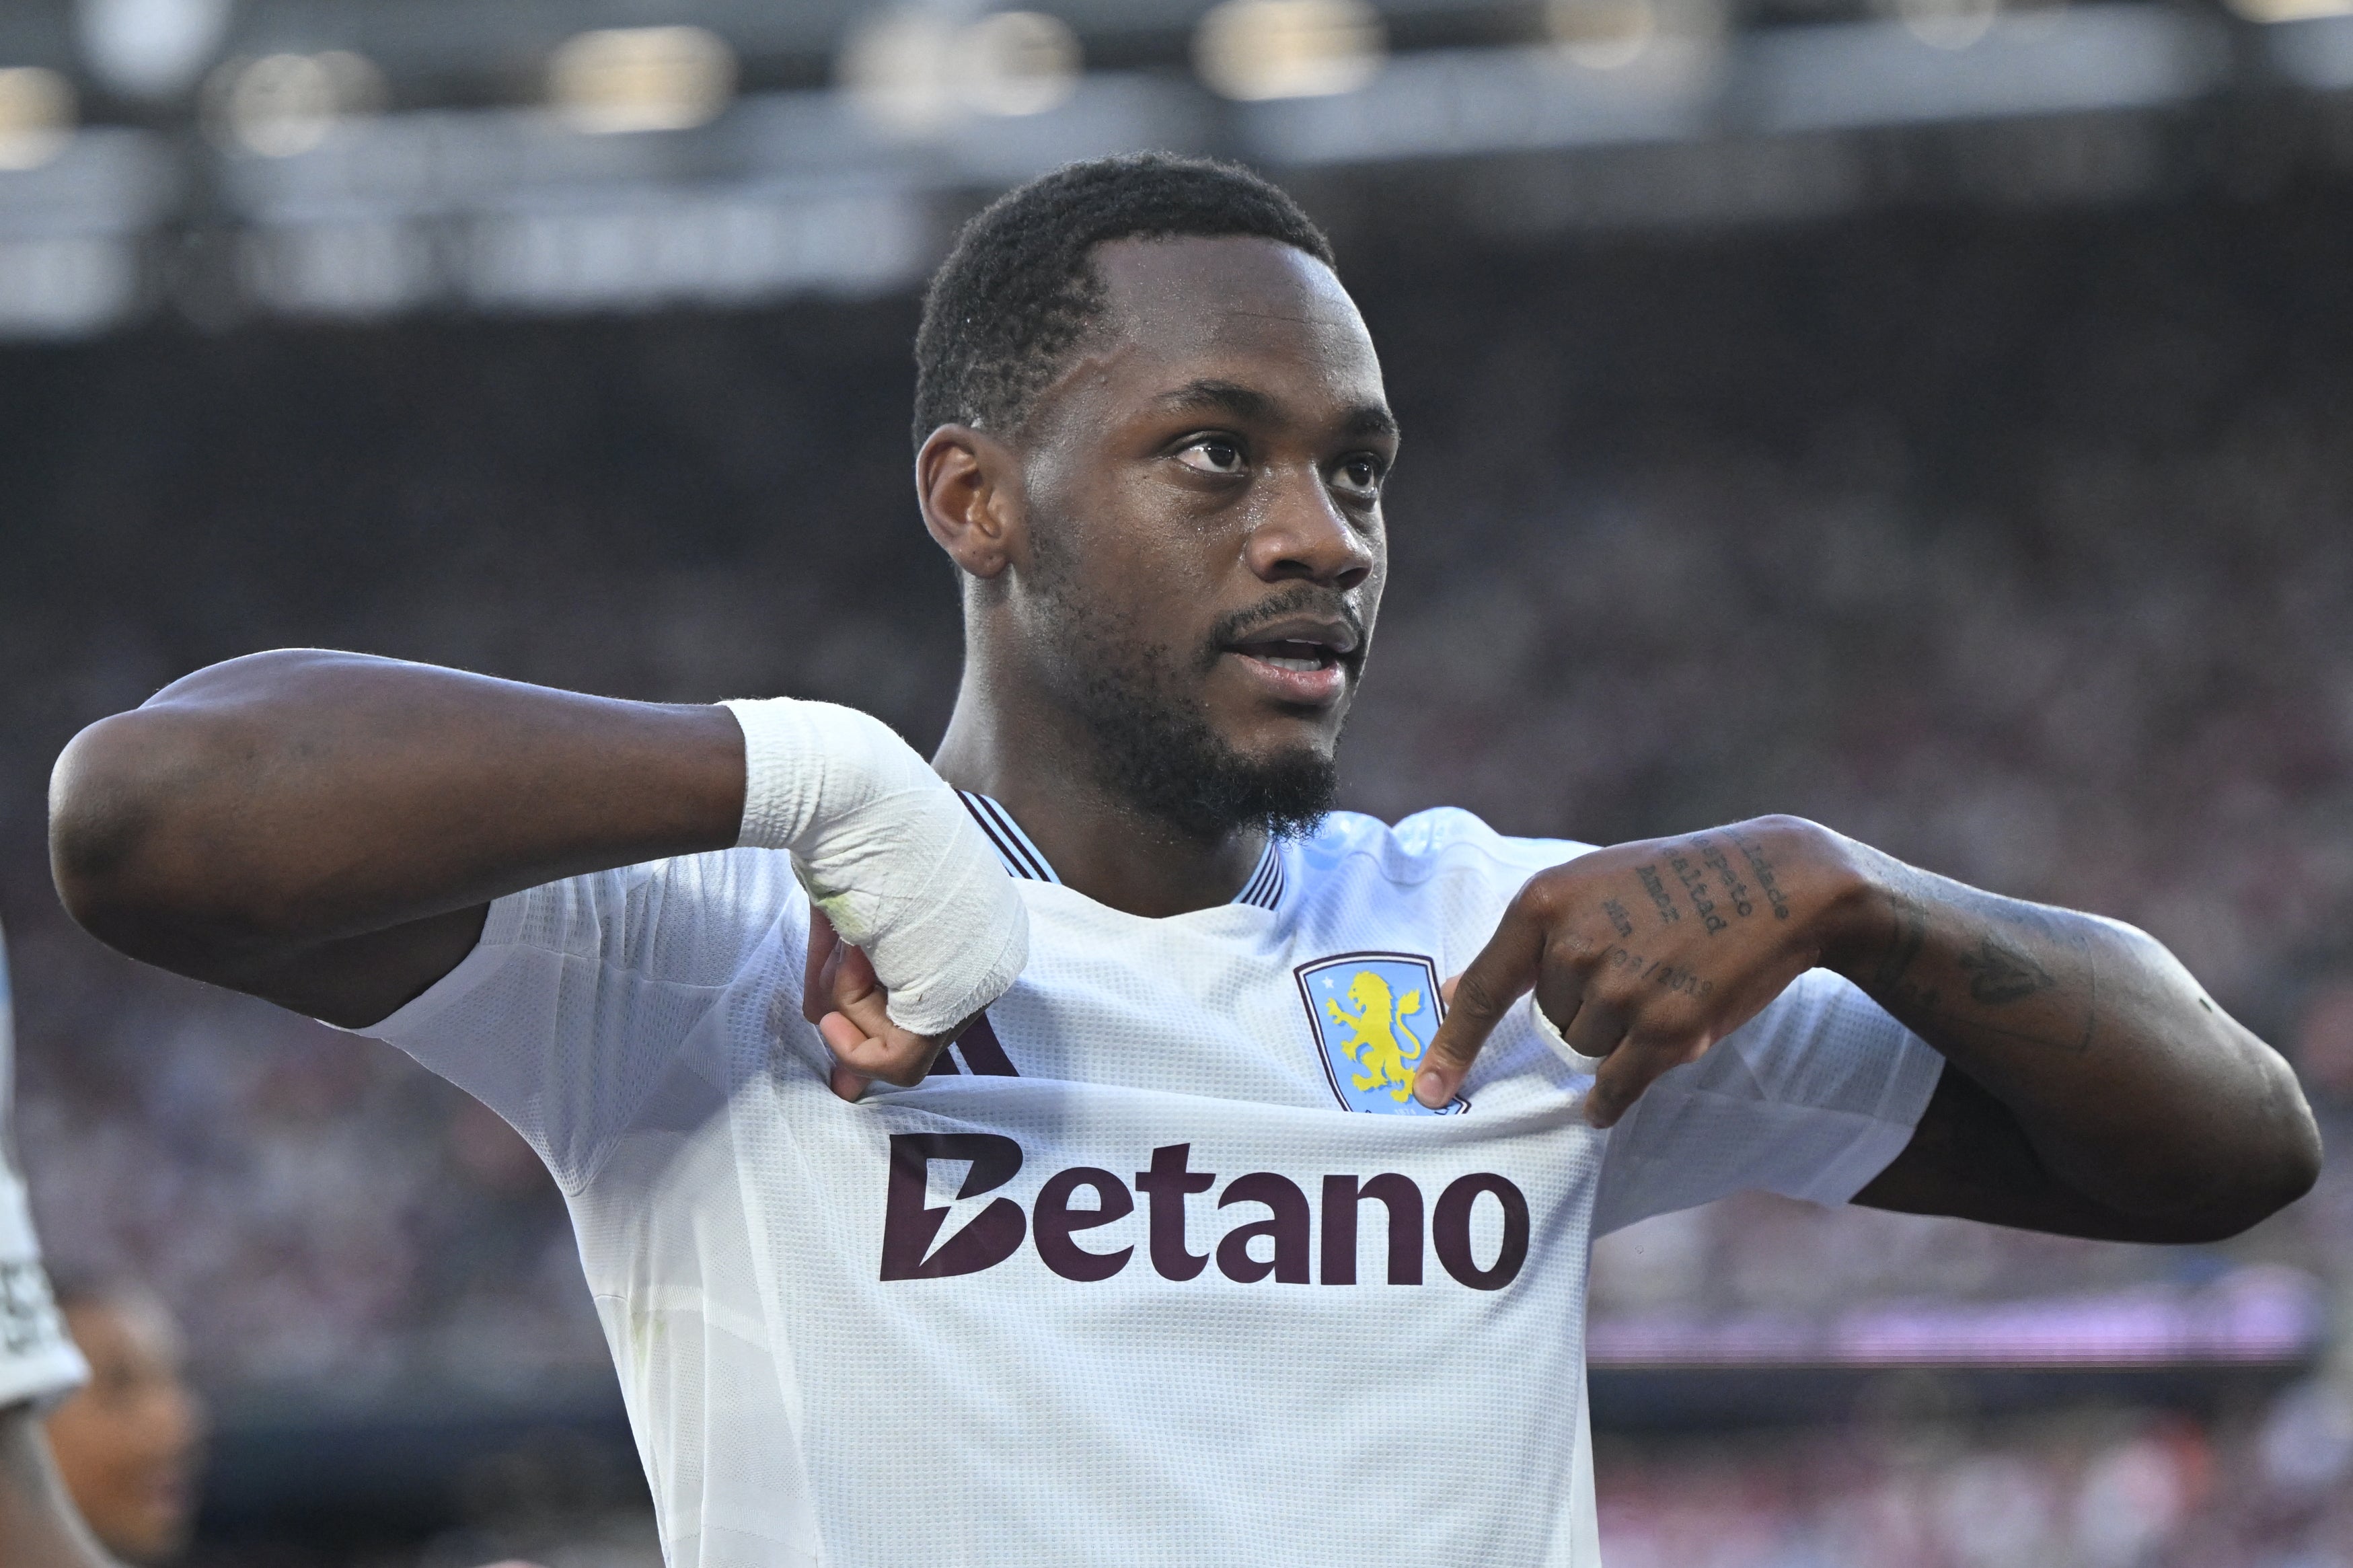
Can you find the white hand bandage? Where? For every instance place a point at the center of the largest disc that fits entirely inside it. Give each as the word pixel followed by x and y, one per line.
pixel 888 852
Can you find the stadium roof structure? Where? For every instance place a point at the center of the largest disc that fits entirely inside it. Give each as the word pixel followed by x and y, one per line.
pixel 362 158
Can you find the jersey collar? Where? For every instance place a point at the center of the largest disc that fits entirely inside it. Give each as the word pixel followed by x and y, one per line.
pixel 1022 858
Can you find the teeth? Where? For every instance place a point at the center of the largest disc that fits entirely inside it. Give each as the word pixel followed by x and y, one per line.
pixel 1281 662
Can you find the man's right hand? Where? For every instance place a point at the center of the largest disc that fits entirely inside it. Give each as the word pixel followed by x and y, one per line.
pixel 850 1007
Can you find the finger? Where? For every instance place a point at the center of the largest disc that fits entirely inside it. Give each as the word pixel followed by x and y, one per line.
pixel 841 1035
pixel 1505 970
pixel 823 946
pixel 1596 1029
pixel 1632 1067
pixel 868 1042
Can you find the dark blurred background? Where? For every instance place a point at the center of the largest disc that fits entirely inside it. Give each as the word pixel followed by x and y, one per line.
pixel 1932 418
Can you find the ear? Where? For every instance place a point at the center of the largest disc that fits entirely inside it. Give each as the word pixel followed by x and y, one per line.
pixel 970 485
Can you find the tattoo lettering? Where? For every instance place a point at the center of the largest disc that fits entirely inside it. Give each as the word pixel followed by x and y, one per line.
pixel 1695 883
pixel 1617 916
pixel 1774 896
pixel 1999 975
pixel 1734 888
pixel 1665 975
pixel 1668 914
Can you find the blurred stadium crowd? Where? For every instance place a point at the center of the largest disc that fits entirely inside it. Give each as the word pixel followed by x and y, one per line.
pixel 2018 545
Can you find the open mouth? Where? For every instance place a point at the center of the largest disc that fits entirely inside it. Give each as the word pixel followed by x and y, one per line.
pixel 1291 654
pixel 1301 662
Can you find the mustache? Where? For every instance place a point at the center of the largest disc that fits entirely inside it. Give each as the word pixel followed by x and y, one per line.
pixel 1299 599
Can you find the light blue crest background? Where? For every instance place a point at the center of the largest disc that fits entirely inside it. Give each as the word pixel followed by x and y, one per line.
pixel 1329 981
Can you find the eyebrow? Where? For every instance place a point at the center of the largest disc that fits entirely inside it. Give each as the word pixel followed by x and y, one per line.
pixel 1211 396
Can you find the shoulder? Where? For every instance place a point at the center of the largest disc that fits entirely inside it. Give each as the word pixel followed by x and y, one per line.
pixel 1442 844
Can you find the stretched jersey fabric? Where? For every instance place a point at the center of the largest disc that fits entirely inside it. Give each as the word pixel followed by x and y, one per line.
pixel 1163 1265
pixel 37 1360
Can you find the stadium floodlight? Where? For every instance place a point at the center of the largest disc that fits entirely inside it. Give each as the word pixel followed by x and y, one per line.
pixel 1602 35
pixel 621 80
pixel 1259 50
pixel 913 72
pixel 36 116
pixel 1948 24
pixel 895 68
pixel 2290 10
pixel 1017 62
pixel 280 106
pixel 150 49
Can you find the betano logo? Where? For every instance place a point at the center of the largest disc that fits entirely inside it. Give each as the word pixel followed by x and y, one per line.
pixel 911 1225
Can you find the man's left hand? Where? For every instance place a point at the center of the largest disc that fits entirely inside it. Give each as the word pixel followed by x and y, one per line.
pixel 1646 954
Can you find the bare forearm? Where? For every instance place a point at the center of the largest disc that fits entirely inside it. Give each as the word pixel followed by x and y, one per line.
pixel 38 1527
pixel 284 802
pixel 2131 1087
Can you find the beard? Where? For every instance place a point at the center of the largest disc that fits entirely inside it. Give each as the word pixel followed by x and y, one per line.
pixel 1154 748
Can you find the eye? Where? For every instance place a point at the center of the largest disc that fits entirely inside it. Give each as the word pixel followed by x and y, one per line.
pixel 1218 455
pixel 1361 474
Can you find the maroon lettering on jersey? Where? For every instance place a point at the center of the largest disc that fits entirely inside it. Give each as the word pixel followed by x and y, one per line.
pixel 908 1224
pixel 1395 1194
pixel 982 1052
pixel 1055 1222
pixel 1286 1227
pixel 1167 1184
pixel 1449 1230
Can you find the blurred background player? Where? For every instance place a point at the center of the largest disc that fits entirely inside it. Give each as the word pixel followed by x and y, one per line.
pixel 38 1364
pixel 129 1442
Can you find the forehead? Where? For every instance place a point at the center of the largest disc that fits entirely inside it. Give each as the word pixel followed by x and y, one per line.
pixel 1175 307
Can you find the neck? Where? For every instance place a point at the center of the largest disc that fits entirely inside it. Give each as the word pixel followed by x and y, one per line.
pixel 1040 764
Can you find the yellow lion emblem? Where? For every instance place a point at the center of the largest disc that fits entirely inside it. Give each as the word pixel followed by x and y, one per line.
pixel 1377 1040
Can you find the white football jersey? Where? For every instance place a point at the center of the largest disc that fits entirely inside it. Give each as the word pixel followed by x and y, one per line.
pixel 37 1360
pixel 1163 1264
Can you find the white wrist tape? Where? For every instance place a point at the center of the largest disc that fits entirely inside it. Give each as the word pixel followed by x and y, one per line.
pixel 888 852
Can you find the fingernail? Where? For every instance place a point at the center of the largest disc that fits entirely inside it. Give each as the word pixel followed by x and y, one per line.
pixel 1430 1089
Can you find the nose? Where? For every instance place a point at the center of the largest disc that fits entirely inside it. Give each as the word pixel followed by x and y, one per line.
pixel 1304 536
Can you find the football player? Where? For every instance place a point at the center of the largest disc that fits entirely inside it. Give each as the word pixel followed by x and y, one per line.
pixel 1070 1151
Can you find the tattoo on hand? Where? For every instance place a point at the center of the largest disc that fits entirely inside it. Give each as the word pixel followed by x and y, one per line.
pixel 1734 888
pixel 1999 975
pixel 1617 916
pixel 1755 855
pixel 1665 975
pixel 1694 882
pixel 1657 889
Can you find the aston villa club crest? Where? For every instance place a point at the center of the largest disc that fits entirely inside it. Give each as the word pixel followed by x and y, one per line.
pixel 1374 1014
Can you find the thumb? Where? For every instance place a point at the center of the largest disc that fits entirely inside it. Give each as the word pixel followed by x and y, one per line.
pixel 1505 970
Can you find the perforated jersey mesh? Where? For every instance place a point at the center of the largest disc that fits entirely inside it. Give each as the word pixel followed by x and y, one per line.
pixel 642 1029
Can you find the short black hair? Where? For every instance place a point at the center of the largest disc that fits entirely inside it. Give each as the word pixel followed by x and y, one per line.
pixel 1019 291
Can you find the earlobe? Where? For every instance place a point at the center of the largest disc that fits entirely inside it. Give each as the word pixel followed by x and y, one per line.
pixel 969 486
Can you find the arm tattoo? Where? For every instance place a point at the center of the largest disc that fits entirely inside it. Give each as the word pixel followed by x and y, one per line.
pixel 1999 975
pixel 1911 932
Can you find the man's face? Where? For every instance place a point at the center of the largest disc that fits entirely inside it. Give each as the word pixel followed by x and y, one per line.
pixel 1205 552
pixel 128 1443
